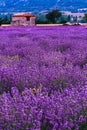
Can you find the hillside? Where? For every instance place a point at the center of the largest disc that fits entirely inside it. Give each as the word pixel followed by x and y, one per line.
pixel 39 5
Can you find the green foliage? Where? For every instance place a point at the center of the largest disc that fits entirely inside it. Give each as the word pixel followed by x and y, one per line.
pixel 6 20
pixel 63 19
pixel 41 22
pixel 1 21
pixel 85 17
pixel 83 126
pixel 53 15
pixel 68 18
pixel 41 19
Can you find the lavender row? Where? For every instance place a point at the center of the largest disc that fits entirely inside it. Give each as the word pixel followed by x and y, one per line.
pixel 66 110
pixel 43 78
pixel 51 57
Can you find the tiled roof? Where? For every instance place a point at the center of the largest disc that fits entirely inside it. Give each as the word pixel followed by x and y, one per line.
pixel 25 14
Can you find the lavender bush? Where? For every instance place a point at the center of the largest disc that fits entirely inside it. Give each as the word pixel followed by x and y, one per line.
pixel 64 110
pixel 43 78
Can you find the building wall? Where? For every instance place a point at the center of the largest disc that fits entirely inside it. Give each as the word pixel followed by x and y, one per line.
pixel 32 21
pixel 17 21
pixel 18 18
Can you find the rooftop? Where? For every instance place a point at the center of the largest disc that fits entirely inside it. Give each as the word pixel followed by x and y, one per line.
pixel 25 14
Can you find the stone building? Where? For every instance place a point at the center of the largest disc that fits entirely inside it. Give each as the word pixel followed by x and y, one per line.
pixel 23 19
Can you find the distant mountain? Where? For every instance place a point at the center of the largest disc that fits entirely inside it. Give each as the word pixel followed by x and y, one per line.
pixel 40 5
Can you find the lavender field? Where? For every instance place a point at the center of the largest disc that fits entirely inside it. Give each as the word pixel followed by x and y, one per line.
pixel 43 78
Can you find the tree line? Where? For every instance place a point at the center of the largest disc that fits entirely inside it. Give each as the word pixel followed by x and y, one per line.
pixel 54 16
pixel 5 19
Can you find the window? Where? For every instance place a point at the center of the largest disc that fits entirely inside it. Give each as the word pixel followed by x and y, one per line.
pixel 28 18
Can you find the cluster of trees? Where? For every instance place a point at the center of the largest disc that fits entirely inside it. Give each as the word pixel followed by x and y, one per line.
pixel 53 16
pixel 50 17
pixel 5 19
pixel 85 17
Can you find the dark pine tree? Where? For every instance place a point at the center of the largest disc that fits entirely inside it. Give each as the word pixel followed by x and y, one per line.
pixel 53 15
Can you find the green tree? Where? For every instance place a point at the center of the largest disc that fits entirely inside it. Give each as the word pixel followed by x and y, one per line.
pixel 85 17
pixel 1 21
pixel 53 15
pixel 63 19
pixel 6 20
pixel 41 19
pixel 68 18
